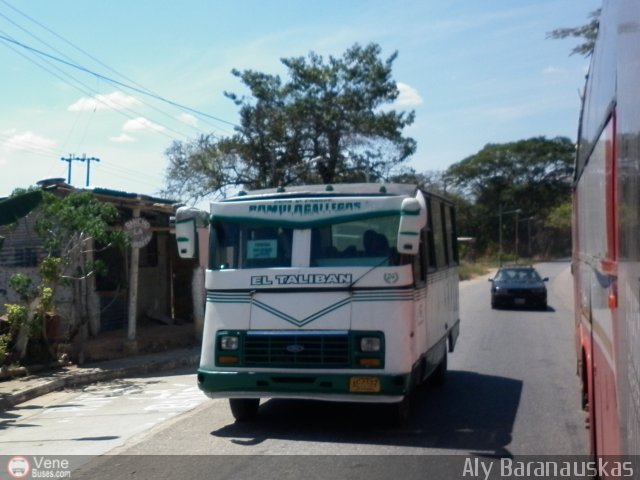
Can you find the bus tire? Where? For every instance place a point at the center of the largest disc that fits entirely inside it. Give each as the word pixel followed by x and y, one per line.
pixel 244 409
pixel 439 376
pixel 399 412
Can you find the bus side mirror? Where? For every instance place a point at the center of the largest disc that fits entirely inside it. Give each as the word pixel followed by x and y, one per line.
pixel 412 221
pixel 188 219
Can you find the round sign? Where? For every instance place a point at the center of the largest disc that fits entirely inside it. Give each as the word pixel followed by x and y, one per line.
pixel 18 467
pixel 139 231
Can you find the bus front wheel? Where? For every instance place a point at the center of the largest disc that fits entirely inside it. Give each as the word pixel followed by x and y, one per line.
pixel 244 409
pixel 400 412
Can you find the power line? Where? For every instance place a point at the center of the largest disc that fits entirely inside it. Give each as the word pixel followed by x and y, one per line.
pixel 78 85
pixel 82 87
pixel 114 81
pixel 31 34
pixel 89 55
pixel 45 62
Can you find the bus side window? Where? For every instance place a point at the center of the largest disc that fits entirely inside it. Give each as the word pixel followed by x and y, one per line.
pixel 453 234
pixel 446 245
pixel 430 245
pixel 420 261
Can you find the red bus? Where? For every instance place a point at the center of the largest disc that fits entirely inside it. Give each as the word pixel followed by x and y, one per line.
pixel 606 234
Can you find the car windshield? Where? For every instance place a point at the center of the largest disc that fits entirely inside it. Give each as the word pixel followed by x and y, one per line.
pixel 517 275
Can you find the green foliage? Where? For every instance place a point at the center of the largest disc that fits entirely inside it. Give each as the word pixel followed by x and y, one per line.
pixel 560 217
pixel 325 123
pixel 47 303
pixel 23 286
pixel 4 344
pixel 525 179
pixel 17 316
pixel 50 269
pixel 78 213
pixel 469 270
pixel 69 227
pixel 587 32
pixel 19 204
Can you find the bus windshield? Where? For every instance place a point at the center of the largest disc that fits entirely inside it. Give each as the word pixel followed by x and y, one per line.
pixel 366 242
pixel 238 246
pixel 359 243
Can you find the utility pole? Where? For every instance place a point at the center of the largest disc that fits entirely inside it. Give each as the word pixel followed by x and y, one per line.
pixel 69 159
pixel 83 158
pixel 500 214
pixel 89 160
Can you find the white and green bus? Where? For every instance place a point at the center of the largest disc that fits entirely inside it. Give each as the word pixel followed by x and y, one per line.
pixel 343 293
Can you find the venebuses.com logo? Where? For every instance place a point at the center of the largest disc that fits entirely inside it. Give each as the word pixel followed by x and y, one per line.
pixel 38 467
pixel 18 467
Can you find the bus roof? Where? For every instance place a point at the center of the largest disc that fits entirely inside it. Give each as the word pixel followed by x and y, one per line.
pixel 341 189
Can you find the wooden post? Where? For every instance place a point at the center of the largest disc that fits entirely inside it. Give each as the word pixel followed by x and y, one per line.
pixel 133 286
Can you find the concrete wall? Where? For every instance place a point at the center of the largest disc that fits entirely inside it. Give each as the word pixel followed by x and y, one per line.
pixel 154 284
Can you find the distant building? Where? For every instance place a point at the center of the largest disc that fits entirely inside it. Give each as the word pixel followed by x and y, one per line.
pixel 163 280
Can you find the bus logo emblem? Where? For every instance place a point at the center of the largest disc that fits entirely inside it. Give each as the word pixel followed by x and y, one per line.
pixel 294 348
pixel 391 277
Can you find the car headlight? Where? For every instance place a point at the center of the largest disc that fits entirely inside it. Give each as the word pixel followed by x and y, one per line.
pixel 370 344
pixel 229 342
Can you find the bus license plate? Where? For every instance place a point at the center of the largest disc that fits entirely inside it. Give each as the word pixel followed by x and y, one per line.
pixel 364 384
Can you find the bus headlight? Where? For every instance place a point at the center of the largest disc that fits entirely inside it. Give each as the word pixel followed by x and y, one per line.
pixel 370 344
pixel 229 342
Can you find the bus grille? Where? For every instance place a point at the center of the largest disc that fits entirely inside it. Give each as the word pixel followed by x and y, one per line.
pixel 296 350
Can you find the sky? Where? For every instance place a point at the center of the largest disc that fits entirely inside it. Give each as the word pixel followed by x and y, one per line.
pixel 120 80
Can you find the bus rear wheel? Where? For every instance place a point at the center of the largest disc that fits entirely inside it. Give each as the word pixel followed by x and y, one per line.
pixel 244 409
pixel 440 373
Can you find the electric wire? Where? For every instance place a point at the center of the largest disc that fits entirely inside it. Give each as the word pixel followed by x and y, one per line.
pixel 32 35
pixel 112 80
pixel 83 88
pixel 92 57
pixel 45 61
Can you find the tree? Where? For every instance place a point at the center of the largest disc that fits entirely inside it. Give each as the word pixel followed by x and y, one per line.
pixel 70 229
pixel 432 180
pixel 587 32
pixel 532 176
pixel 326 123
pixel 557 232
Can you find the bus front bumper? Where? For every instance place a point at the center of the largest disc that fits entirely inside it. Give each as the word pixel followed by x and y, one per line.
pixel 366 387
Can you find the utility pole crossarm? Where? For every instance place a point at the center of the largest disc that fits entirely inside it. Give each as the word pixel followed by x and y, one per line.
pixel 89 160
pixel 83 158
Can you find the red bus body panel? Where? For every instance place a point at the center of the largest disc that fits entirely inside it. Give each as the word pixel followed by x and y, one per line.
pixel 606 234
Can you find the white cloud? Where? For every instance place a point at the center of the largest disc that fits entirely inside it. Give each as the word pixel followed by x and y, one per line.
pixel 188 119
pixel 141 124
pixel 123 138
pixel 113 101
pixel 551 70
pixel 409 96
pixel 28 141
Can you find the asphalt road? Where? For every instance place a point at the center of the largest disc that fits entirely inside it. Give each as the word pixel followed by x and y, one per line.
pixel 511 392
